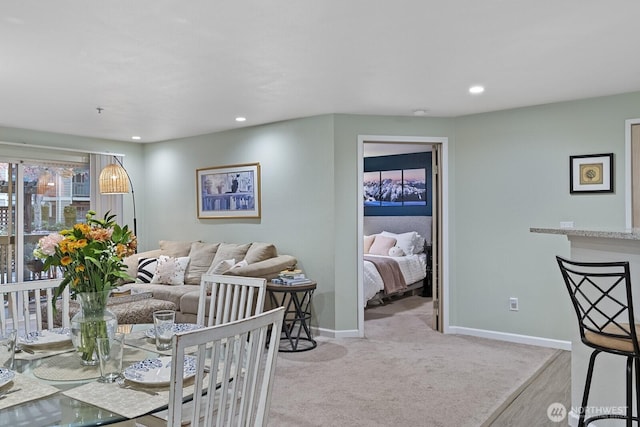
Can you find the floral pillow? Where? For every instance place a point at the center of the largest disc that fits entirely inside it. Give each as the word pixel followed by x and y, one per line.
pixel 170 270
pixel 146 269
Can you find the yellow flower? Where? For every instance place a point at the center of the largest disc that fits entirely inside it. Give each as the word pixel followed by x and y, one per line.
pixel 66 260
pixel 79 268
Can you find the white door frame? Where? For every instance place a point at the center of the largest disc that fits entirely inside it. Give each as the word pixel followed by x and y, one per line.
pixel 444 262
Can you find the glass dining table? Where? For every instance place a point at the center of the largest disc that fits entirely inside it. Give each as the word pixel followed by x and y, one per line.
pixel 52 388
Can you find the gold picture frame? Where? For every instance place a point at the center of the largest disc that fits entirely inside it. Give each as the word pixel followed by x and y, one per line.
pixel 591 173
pixel 228 191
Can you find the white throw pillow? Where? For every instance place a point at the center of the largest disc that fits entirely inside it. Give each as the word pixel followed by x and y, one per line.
pixel 170 270
pixel 146 269
pixel 406 241
pixel 242 263
pixel 221 267
pixel 396 251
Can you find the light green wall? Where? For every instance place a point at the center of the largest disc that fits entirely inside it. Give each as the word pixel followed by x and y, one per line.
pixel 512 173
pixel 297 170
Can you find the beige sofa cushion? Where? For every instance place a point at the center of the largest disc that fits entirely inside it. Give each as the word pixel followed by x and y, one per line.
pixel 259 251
pixel 175 248
pixel 163 292
pixel 200 259
pixel 230 251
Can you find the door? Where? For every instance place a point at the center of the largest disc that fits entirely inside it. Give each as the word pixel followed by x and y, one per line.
pixel 436 238
pixel 37 198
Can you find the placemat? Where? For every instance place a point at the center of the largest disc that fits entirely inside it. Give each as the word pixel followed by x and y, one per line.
pixel 130 402
pixel 27 389
pixel 67 366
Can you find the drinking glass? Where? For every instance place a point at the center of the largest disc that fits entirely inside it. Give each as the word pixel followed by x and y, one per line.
pixel 8 348
pixel 163 321
pixel 110 352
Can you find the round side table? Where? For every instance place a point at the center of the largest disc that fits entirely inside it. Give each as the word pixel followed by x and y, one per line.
pixel 296 327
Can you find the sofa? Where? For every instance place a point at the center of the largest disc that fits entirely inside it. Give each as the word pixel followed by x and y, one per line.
pixel 172 272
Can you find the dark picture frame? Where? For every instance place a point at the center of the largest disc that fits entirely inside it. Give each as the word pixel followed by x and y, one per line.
pixel 228 191
pixel 591 173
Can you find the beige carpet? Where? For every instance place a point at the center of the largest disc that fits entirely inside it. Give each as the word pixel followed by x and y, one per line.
pixel 402 374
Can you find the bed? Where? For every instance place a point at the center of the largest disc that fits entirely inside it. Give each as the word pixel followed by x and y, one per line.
pixel 395 256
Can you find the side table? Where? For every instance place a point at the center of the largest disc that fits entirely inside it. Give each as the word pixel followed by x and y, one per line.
pixel 296 332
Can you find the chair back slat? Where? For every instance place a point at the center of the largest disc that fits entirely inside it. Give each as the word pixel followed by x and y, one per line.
pixel 25 302
pixel 234 376
pixel 602 299
pixel 225 299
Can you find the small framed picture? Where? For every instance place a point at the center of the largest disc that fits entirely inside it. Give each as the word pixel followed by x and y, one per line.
pixel 591 173
pixel 229 191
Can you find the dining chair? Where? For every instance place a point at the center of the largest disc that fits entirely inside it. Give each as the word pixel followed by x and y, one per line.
pixel 25 302
pixel 601 296
pixel 225 298
pixel 237 356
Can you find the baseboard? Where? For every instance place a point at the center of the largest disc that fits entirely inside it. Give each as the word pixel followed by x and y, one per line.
pixel 515 338
pixel 332 333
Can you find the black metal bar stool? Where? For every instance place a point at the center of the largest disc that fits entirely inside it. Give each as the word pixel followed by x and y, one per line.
pixel 601 296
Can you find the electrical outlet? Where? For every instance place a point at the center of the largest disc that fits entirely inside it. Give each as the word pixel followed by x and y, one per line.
pixel 513 304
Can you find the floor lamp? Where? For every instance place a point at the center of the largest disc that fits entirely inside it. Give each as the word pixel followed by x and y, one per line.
pixel 114 179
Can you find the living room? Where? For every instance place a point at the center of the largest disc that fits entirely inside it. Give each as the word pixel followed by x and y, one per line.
pixel 508 167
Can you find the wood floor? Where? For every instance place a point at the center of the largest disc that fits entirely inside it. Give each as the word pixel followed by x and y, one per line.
pixel 529 407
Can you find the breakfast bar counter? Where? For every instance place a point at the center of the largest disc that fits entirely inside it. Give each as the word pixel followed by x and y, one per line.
pixel 607 391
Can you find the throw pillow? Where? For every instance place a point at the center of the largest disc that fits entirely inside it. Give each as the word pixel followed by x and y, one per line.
pixel 231 250
pixel 381 245
pixel 260 251
pixel 200 259
pixel 406 241
pixel 396 251
pixel 175 248
pixel 221 267
pixel 146 269
pixel 170 270
pixel 368 241
pixel 242 263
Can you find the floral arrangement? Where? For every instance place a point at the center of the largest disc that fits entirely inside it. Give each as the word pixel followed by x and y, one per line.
pixel 90 256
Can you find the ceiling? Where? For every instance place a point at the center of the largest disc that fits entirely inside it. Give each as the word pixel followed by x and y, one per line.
pixel 170 69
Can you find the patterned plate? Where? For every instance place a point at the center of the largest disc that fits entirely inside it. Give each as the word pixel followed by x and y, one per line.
pixel 177 327
pixel 46 337
pixel 6 375
pixel 157 371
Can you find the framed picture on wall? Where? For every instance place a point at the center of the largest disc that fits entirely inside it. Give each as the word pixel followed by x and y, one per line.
pixel 591 173
pixel 229 191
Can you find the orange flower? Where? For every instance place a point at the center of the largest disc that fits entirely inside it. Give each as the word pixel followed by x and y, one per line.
pixel 79 268
pixel 83 228
pixel 66 260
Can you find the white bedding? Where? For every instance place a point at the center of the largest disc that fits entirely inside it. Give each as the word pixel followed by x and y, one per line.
pixel 413 268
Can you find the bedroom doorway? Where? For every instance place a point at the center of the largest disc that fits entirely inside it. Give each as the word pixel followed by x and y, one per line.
pixel 434 226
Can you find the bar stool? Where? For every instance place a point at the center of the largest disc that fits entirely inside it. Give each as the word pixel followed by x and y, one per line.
pixel 601 296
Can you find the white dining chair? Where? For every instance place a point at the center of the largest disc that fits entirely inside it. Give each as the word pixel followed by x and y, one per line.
pixel 225 298
pixel 25 302
pixel 237 356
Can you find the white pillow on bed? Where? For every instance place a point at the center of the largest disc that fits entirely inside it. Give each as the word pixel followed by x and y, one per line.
pixel 406 241
pixel 381 245
pixel 396 251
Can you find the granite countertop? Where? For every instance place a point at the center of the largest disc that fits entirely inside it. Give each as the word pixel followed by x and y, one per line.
pixel 624 234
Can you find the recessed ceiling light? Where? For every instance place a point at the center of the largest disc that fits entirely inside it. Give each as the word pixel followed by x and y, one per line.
pixel 420 112
pixel 241 119
pixel 475 90
pixel 137 138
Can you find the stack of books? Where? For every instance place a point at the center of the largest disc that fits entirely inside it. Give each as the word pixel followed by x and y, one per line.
pixel 291 277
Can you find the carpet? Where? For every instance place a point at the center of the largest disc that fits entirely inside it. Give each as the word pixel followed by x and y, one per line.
pixel 402 374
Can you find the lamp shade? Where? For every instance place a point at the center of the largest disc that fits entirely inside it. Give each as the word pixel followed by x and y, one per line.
pixel 114 180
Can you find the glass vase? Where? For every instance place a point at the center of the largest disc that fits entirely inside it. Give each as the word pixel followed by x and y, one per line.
pixel 94 320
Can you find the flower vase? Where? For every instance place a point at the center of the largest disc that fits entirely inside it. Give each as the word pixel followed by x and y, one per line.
pixel 94 320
